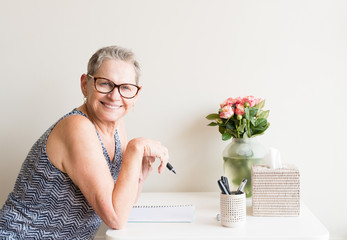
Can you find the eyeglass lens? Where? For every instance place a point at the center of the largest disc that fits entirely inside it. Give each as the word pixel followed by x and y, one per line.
pixel 106 86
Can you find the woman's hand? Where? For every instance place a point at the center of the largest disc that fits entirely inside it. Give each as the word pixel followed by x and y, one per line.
pixel 154 149
pixel 147 150
pixel 150 149
pixel 146 167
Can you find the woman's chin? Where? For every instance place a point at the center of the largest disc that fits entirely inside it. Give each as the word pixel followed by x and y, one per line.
pixel 113 116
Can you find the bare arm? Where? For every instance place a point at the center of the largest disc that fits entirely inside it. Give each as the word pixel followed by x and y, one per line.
pixel 83 160
pixel 146 161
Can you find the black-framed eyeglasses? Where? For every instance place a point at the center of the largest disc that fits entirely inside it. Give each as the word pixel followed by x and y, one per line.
pixel 104 85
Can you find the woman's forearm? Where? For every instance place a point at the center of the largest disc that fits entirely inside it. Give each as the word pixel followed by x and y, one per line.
pixel 127 186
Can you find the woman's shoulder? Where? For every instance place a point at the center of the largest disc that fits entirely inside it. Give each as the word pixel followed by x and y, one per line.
pixel 73 123
pixel 74 133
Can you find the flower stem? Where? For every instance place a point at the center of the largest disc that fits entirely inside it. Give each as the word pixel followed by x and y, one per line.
pixel 249 129
pixel 238 133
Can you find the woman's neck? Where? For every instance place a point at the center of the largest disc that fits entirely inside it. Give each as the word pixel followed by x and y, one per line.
pixel 104 128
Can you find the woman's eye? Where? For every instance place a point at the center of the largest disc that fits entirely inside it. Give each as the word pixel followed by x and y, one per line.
pixel 125 87
pixel 105 83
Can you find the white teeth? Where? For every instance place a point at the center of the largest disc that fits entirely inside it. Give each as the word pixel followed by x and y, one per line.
pixel 109 106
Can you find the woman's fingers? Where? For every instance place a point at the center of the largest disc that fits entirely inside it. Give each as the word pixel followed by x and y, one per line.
pixel 157 150
pixel 152 159
pixel 164 160
pixel 146 167
pixel 149 161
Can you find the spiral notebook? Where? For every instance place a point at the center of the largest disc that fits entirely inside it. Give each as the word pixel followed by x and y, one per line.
pixel 162 213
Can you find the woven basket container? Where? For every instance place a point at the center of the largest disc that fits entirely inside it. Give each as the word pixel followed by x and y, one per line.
pixel 233 210
pixel 276 192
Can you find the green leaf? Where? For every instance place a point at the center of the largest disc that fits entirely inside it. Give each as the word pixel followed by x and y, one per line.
pixel 261 131
pixel 212 124
pixel 221 129
pixel 226 136
pixel 233 120
pixel 212 116
pixel 260 105
pixel 260 121
pixel 260 125
pixel 247 113
pixel 241 128
pixel 264 114
pixel 252 112
pixel 230 125
pixel 234 133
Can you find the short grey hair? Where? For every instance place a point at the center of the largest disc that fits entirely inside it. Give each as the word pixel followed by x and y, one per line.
pixel 115 53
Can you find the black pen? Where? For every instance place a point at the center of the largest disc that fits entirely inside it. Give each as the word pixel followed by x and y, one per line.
pixel 222 187
pixel 242 185
pixel 170 167
pixel 226 183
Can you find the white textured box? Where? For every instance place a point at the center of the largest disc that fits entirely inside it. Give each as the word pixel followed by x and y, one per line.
pixel 275 192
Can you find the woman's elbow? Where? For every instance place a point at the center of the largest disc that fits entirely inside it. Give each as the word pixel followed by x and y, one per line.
pixel 112 218
pixel 118 224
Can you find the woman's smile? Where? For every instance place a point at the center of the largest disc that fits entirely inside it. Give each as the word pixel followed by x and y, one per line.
pixel 112 106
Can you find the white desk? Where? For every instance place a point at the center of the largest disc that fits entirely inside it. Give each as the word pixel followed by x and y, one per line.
pixel 205 225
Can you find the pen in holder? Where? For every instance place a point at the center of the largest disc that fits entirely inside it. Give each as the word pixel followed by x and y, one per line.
pixel 233 209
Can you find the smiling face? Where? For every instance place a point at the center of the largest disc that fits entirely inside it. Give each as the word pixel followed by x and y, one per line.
pixel 112 106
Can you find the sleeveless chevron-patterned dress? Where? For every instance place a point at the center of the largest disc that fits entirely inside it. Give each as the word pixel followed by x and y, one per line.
pixel 45 203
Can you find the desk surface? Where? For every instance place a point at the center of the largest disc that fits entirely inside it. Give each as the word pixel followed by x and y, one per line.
pixel 206 226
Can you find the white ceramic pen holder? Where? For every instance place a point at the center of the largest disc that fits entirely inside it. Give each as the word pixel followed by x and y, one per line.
pixel 233 209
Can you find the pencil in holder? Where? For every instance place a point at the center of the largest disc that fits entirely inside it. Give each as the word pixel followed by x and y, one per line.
pixel 233 209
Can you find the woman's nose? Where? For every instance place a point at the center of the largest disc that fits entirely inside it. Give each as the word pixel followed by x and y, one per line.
pixel 115 95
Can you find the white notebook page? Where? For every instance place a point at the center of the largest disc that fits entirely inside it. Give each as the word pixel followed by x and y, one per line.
pixel 162 213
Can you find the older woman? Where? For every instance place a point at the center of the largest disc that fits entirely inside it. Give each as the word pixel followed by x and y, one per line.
pixel 82 170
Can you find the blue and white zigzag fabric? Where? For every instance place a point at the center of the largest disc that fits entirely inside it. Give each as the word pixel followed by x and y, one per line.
pixel 45 203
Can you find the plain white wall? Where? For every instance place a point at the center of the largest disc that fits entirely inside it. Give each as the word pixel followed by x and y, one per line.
pixel 194 54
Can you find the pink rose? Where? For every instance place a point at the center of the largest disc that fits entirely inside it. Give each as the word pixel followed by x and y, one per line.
pixel 226 112
pixel 250 100
pixel 237 100
pixel 239 109
pixel 229 102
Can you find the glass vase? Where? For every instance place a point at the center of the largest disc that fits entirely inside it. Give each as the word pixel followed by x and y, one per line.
pixel 239 156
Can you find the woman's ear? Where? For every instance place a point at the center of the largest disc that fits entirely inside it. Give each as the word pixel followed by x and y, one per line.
pixel 84 84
